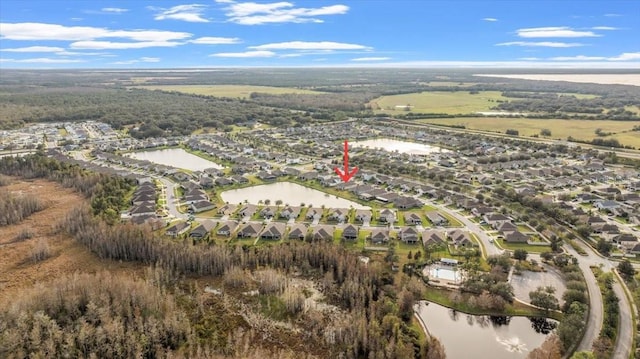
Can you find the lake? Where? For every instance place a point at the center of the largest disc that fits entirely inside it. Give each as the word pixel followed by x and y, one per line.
pixel 288 192
pixel 390 145
pixel 175 157
pixel 466 336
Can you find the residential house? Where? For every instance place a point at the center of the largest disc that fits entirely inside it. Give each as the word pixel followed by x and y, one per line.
pixel 409 235
pixel 460 238
pixel 322 233
pixel 387 216
pixel 406 202
pixel 290 212
pixel 338 215
pixel 268 212
pixel 227 228
pixel 433 238
pixel 350 233
pixel 247 210
pixel 607 205
pixel 363 215
pixel 203 229
pixel 227 209
pixel 308 176
pixel 201 206
pixel 481 210
pixel 143 210
pixel 495 219
pixel 378 235
pixel 273 231
pixel 298 231
pixel 436 219
pixel 516 237
pixel 625 239
pixel 314 214
pixel 177 229
pixel 412 219
pixel 249 230
pixel 506 227
pixel 596 222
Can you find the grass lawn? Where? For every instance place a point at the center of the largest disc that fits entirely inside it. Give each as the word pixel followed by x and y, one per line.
pixel 578 129
pixel 452 221
pixel 453 103
pixel 527 247
pixel 442 297
pixel 233 91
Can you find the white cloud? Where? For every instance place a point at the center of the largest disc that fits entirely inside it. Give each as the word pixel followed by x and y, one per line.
pixel 42 60
pixel 371 59
pixel 612 15
pixel 540 44
pixel 109 45
pixel 35 49
pixel 490 19
pixel 306 45
pixel 626 56
pixel 135 61
pixel 216 40
pixel 113 10
pixel 557 31
pixel 245 54
pixel 605 28
pixel 578 58
pixel 529 58
pixel 189 13
pixel 41 31
pixel 251 13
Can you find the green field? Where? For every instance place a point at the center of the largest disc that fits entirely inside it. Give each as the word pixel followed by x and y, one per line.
pixel 232 91
pixel 459 102
pixel 560 129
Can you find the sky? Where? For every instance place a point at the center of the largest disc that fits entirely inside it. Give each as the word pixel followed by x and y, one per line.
pixel 319 33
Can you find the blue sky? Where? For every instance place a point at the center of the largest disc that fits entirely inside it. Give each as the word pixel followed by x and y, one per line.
pixel 373 33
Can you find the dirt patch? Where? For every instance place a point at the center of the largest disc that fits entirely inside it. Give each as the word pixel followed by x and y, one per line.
pixel 17 269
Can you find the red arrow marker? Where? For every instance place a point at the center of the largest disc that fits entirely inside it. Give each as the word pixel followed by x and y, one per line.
pixel 346 175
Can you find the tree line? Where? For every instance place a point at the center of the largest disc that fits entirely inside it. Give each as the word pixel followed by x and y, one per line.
pixel 379 313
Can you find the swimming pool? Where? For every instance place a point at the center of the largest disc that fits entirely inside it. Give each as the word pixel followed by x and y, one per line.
pixel 438 272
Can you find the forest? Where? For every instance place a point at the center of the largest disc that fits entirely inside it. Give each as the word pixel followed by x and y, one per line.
pixel 111 97
pixel 70 313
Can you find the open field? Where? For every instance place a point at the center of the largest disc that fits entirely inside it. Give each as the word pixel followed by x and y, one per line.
pixel 233 91
pixel 619 79
pixel 18 271
pixel 560 129
pixel 459 102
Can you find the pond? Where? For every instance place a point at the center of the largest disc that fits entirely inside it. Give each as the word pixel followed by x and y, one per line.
pixel 465 336
pixel 288 193
pixel 175 157
pixel 390 145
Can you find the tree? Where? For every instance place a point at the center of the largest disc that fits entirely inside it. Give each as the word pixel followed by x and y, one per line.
pixel 583 355
pixel 603 247
pixel 550 349
pixel 626 270
pixel 543 297
pixel 520 254
pixel 545 132
pixel 546 256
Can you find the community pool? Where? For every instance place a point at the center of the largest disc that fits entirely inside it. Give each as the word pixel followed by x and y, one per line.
pixel 446 273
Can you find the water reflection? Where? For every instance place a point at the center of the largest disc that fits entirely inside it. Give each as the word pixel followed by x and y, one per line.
pixel 543 325
pixel 175 157
pixel 496 337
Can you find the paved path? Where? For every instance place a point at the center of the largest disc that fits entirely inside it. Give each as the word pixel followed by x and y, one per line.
pixel 624 340
pixel 488 245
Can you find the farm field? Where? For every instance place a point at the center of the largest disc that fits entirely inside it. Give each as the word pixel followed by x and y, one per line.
pixel 560 129
pixel 458 102
pixel 233 91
